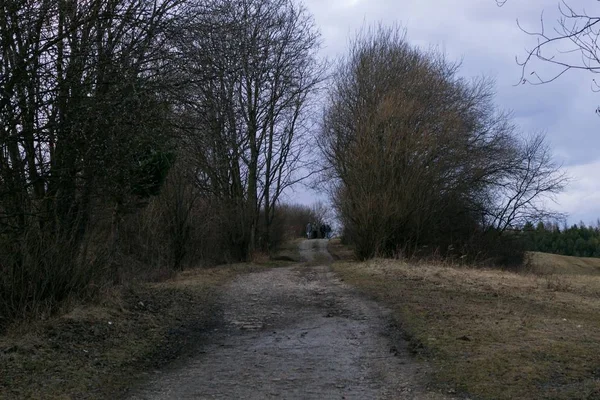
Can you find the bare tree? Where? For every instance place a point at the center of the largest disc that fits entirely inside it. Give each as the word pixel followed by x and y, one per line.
pixel 254 70
pixel 533 179
pixel 420 157
pixel 83 128
pixel 569 43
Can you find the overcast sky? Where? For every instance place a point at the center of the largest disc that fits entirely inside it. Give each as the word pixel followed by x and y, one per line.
pixel 486 38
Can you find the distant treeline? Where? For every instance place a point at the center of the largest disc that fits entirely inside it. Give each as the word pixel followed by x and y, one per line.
pixel 578 240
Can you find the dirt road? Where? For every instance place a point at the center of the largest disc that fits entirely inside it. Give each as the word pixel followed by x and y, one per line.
pixel 296 333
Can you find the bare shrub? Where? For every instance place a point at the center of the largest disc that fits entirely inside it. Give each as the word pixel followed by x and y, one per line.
pixel 178 229
pixel 41 270
pixel 289 223
pixel 421 158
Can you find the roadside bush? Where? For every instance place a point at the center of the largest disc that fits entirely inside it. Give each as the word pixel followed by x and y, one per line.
pixel 495 249
pixel 177 230
pixel 40 270
pixel 421 158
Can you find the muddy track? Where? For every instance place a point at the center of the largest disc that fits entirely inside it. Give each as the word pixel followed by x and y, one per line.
pixel 296 333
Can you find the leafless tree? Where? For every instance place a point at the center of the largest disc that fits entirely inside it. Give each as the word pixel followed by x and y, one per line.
pixel 254 70
pixel 418 156
pixel 83 128
pixel 533 179
pixel 569 43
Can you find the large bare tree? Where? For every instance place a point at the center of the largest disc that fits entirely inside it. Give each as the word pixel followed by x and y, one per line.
pixel 421 157
pixel 568 43
pixel 253 71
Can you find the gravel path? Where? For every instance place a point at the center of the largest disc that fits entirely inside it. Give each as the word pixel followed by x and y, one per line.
pixel 296 333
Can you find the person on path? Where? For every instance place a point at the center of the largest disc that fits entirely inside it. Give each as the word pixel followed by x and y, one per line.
pixel 308 230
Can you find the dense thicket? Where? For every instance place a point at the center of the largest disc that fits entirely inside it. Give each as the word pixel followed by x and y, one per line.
pixel 84 137
pixel 290 221
pixel 578 240
pixel 144 134
pixel 421 159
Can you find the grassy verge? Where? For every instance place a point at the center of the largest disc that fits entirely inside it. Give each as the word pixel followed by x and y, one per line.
pixel 339 251
pixel 493 334
pixel 98 351
pixel 544 263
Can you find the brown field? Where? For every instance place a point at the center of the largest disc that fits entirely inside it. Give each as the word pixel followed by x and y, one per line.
pixel 544 263
pixel 492 334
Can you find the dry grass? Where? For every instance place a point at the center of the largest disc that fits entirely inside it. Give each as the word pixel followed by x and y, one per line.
pixel 493 334
pixel 544 263
pixel 339 251
pixel 98 351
